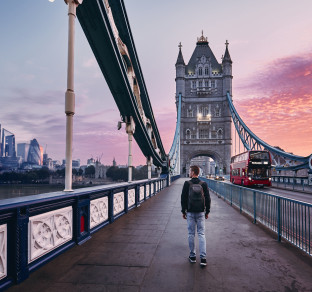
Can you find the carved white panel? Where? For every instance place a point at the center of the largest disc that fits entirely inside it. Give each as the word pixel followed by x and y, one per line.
pixel 142 193
pixel 147 190
pixel 152 188
pixel 131 197
pixel 49 230
pixel 98 211
pixel 119 202
pixel 3 250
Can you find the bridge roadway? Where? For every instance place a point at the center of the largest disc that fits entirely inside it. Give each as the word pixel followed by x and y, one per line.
pixel 146 250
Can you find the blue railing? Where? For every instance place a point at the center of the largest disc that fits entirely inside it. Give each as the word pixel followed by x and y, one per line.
pixel 294 183
pixel 289 219
pixel 35 229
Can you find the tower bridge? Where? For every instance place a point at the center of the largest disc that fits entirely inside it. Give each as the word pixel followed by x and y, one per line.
pixel 144 249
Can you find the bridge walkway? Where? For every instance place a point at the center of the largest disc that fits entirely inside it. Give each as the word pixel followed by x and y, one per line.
pixel 147 250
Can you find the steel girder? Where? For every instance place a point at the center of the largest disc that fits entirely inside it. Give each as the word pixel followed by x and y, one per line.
pixel 101 35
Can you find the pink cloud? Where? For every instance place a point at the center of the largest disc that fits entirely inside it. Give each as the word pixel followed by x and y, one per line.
pixel 280 108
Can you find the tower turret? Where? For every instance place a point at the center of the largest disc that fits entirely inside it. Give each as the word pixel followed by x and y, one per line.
pixel 180 73
pixel 227 70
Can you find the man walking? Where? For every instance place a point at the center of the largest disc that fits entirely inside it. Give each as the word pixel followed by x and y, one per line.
pixel 195 203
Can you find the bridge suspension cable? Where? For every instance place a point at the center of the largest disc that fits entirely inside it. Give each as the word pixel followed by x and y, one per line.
pixel 174 153
pixel 252 142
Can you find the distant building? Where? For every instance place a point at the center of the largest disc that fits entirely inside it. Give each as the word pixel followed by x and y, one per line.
pixel 8 157
pixel 8 144
pixel 76 163
pixel 22 151
pixel 100 170
pixel 91 161
pixel 35 154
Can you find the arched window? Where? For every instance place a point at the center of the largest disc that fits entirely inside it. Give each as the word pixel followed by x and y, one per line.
pixel 220 134
pixel 200 71
pixel 206 71
pixel 188 134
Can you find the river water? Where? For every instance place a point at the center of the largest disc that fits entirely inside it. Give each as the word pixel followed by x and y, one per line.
pixel 22 190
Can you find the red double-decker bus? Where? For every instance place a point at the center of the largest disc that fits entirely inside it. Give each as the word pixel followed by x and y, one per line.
pixel 251 168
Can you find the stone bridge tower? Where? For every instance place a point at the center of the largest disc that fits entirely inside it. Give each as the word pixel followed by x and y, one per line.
pixel 205 117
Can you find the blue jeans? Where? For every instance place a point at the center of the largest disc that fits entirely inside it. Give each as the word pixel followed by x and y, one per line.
pixel 198 219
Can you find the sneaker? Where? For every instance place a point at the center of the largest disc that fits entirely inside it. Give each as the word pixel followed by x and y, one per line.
pixel 192 259
pixel 203 262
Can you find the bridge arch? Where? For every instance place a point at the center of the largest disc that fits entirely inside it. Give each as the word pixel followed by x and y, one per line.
pixel 217 157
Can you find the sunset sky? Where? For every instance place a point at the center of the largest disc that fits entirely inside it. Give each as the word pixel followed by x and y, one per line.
pixel 270 45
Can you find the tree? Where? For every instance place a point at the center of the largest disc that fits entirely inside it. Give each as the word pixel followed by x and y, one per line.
pixel 90 171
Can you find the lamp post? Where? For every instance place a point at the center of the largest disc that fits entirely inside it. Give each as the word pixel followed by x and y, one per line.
pixel 70 94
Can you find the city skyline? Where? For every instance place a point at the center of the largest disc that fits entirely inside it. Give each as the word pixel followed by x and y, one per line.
pixel 271 67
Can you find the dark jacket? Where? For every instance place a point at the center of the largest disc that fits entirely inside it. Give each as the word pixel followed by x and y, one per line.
pixel 185 193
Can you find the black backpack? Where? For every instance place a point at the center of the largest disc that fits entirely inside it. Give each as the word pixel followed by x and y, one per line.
pixel 196 197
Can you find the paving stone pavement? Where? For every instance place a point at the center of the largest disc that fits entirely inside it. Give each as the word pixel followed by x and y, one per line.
pixel 147 250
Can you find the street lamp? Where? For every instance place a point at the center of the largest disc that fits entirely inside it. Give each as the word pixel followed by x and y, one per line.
pixel 70 94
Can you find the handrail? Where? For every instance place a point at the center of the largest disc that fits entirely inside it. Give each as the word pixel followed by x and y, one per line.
pixel 290 219
pixel 38 228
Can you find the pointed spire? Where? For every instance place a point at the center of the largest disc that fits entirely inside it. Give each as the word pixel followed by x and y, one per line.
pixel 227 57
pixel 180 60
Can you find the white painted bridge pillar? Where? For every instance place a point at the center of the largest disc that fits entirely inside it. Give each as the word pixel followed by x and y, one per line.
pixel 130 128
pixel 70 94
pixel 149 162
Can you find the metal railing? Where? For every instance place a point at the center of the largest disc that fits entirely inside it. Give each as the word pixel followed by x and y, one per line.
pixel 292 183
pixel 289 219
pixel 35 229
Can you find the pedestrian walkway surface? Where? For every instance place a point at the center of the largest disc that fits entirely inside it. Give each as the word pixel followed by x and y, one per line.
pixel 147 250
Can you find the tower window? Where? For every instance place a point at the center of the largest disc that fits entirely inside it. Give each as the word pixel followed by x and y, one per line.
pixel 206 71
pixel 188 134
pixel 200 71
pixel 200 83
pixel 203 134
pixel 189 113
pixel 193 84
pixel 219 134
pixel 206 83
pixel 213 83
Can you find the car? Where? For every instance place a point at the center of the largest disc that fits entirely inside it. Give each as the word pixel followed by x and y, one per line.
pixel 219 177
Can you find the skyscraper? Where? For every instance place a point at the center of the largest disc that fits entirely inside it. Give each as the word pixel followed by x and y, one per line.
pixel 23 150
pixel 35 154
pixel 8 144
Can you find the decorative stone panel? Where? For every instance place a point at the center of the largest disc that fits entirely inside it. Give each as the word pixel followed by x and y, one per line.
pixel 48 231
pixel 147 190
pixel 119 202
pixel 98 211
pixel 142 193
pixel 131 197
pixel 152 188
pixel 3 250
